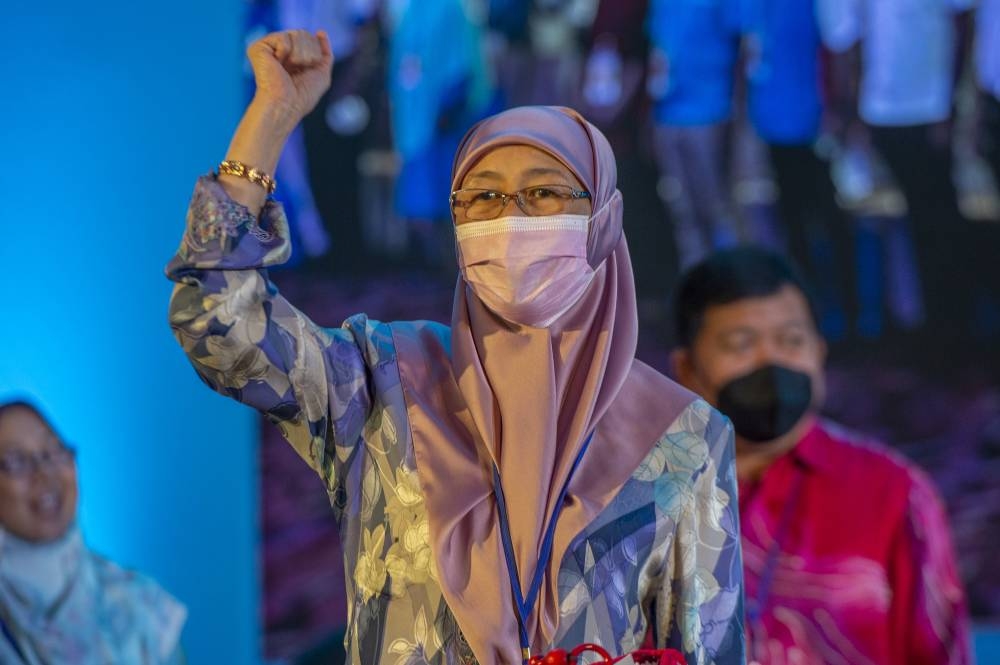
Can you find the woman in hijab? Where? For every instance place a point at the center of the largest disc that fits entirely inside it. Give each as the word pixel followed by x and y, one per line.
pixel 510 484
pixel 60 602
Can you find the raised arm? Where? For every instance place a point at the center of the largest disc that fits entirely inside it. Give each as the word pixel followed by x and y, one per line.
pixel 242 337
pixel 291 71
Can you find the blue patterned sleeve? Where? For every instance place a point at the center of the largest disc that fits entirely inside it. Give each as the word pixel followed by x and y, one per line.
pixel 700 602
pixel 247 342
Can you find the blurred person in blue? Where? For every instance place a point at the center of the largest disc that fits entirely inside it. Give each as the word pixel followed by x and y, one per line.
pixel 783 66
pixel 910 57
pixel 986 237
pixel 60 602
pixel 694 50
pixel 988 78
pixel 439 86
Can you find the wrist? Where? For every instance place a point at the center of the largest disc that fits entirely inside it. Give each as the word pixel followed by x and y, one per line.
pixel 277 116
pixel 261 135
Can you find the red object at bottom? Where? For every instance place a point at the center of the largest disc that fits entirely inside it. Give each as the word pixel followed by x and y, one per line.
pixel 651 656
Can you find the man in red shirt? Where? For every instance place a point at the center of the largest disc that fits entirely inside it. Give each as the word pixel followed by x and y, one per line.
pixel 847 555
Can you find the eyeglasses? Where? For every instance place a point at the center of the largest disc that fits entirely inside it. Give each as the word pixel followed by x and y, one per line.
pixel 483 204
pixel 19 464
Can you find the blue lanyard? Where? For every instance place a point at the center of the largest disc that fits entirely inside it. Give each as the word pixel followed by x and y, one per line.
pixel 525 604
pixel 756 605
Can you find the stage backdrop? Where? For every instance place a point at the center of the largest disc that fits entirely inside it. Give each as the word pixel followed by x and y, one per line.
pixel 110 110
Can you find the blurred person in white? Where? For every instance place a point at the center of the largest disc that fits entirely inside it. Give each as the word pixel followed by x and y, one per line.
pixel 61 603
pixel 909 59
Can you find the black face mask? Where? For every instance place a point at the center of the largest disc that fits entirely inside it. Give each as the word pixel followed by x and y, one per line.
pixel 766 403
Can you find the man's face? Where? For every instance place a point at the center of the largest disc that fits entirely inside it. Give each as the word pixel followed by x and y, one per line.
pixel 739 337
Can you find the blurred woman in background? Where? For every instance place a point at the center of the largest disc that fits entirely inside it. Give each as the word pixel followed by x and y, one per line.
pixel 59 601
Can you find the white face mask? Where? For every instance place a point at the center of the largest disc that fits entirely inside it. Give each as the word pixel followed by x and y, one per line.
pixel 528 270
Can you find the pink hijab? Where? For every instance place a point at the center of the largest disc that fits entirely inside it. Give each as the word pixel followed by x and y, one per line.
pixel 526 399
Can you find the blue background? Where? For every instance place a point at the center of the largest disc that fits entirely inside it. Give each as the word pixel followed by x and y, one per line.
pixel 108 111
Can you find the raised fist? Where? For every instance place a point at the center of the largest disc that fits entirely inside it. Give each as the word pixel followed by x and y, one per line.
pixel 291 69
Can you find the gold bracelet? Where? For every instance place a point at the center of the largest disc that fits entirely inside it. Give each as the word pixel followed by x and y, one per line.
pixel 241 170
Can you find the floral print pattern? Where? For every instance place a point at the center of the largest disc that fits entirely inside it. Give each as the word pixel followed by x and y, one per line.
pixel 663 558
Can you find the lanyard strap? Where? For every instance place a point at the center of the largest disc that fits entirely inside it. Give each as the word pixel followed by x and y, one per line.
pixel 755 605
pixel 525 604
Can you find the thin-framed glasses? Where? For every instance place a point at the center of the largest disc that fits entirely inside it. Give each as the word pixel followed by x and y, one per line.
pixel 535 201
pixel 19 464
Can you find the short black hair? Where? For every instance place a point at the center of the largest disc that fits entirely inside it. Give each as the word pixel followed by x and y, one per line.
pixel 726 277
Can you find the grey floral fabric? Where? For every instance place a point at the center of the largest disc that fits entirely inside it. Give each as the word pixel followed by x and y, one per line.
pixel 662 560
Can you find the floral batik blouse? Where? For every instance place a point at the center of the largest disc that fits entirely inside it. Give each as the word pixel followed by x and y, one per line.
pixel 661 562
